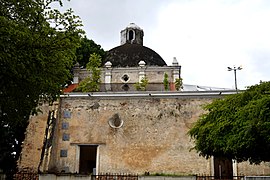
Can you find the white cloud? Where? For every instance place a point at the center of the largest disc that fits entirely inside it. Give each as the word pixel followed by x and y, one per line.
pixel 208 36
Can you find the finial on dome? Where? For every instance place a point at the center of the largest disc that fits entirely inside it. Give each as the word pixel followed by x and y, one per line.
pixel 175 62
pixel 142 63
pixel 108 64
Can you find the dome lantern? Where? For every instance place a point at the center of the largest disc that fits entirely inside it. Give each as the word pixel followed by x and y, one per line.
pixel 131 51
pixel 132 34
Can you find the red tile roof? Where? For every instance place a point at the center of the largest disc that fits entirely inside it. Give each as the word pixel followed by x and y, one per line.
pixel 70 88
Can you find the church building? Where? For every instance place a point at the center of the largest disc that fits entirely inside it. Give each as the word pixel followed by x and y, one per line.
pixel 129 63
pixel 122 129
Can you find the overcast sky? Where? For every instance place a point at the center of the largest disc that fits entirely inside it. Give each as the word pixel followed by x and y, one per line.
pixel 206 36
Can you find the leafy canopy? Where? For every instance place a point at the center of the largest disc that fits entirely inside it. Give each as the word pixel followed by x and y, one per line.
pixel 236 127
pixel 37 49
pixel 91 83
pixel 88 47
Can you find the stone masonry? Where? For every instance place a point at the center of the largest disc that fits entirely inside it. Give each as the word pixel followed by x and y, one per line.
pixel 132 135
pixel 153 137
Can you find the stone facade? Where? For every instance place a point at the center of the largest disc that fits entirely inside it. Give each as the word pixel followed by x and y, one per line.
pixel 33 143
pixel 128 134
pixel 112 78
pixel 245 168
pixel 152 137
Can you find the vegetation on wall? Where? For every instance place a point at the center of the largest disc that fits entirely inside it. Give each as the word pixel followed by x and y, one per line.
pixel 37 49
pixel 236 127
pixel 92 82
pixel 178 84
pixel 141 86
pixel 166 82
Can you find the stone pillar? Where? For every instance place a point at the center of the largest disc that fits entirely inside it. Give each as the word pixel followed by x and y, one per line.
pixel 76 72
pixel 235 167
pixel 176 69
pixel 175 73
pixel 108 76
pixel 141 70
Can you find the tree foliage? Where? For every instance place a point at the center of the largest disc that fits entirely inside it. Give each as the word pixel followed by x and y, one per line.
pixel 86 48
pixel 178 84
pixel 236 127
pixel 91 83
pixel 141 86
pixel 166 82
pixel 37 49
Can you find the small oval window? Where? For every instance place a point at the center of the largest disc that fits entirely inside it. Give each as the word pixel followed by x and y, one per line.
pixel 115 121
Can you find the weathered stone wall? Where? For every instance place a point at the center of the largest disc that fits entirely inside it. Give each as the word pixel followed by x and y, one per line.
pixel 246 169
pixel 153 137
pixel 33 143
pixel 154 74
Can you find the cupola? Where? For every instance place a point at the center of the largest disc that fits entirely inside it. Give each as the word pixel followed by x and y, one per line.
pixel 132 34
pixel 131 51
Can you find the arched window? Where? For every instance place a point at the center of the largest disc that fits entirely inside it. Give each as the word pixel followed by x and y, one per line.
pixel 131 35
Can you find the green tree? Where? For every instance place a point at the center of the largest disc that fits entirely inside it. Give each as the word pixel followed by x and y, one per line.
pixel 86 48
pixel 91 83
pixel 178 84
pixel 166 82
pixel 236 127
pixel 37 49
pixel 141 86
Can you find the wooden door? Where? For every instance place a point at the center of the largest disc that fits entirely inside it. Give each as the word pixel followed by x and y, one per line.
pixel 223 168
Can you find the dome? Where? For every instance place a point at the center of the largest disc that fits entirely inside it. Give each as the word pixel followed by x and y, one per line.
pixel 129 55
